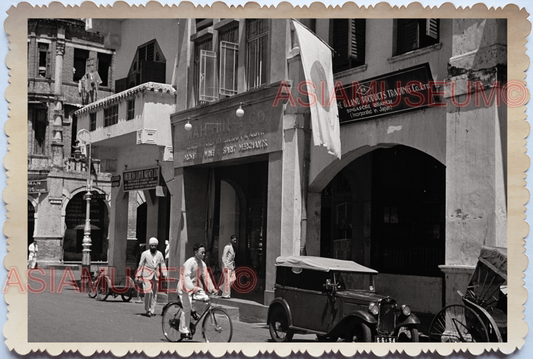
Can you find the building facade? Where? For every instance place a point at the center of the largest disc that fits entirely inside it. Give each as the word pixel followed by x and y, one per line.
pixel 420 185
pixel 61 54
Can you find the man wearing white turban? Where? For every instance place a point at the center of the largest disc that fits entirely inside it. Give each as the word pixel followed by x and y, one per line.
pixel 152 262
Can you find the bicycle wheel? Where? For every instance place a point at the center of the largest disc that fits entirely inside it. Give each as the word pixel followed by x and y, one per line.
pixel 91 291
pixel 171 321
pixel 457 324
pixel 127 282
pixel 217 326
pixel 102 290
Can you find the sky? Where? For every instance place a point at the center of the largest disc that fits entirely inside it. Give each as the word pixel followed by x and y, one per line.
pixel 525 353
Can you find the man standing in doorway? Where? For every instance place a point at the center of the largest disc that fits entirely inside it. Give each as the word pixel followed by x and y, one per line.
pixel 228 266
pixel 151 263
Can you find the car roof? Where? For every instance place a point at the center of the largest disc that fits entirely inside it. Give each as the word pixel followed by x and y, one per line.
pixel 322 264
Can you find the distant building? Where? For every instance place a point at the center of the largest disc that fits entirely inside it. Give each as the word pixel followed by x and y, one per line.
pixel 418 188
pixel 60 56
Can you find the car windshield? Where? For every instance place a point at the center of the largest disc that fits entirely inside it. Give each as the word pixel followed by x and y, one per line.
pixel 355 281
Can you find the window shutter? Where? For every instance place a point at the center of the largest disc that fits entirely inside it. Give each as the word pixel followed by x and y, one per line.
pixel 207 83
pixel 432 28
pixel 341 39
pixel 409 35
pixel 48 64
pixel 356 42
pixel 228 68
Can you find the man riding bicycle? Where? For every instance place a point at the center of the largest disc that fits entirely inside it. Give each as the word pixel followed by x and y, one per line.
pixel 193 277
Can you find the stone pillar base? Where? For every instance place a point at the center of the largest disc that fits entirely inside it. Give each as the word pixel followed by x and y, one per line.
pixel 456 277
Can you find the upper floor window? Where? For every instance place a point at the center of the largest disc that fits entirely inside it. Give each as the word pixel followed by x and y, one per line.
pixel 131 110
pixel 104 67
pixel 149 64
pixel 229 51
pixel 413 34
pixel 80 63
pixel 44 60
pixel 92 121
pixel 39 125
pixel 256 52
pixel 110 115
pixel 348 40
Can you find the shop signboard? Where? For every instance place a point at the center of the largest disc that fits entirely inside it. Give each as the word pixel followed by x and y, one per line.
pixel 393 93
pixel 37 184
pixel 141 179
pixel 115 181
pixel 218 134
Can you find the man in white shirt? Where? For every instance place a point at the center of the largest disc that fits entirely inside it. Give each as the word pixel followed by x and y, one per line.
pixel 228 266
pixel 151 263
pixel 194 280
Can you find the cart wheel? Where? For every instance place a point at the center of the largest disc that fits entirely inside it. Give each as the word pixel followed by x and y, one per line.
pixel 171 321
pixel 102 290
pixel 279 326
pixel 127 282
pixel 457 323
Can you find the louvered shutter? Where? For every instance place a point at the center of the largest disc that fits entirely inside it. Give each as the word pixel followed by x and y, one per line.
pixel 228 68
pixel 207 81
pixel 432 28
pixel 341 39
pixel 356 44
pixel 409 34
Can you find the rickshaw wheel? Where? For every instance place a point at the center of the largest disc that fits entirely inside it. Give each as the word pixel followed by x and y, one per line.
pixel 127 282
pixel 457 323
pixel 279 326
pixel 102 290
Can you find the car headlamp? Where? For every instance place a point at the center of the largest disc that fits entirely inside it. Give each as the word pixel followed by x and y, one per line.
pixel 406 310
pixel 373 308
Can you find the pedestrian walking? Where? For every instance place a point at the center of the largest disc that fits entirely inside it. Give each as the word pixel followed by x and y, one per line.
pixel 194 282
pixel 32 256
pixel 228 267
pixel 151 265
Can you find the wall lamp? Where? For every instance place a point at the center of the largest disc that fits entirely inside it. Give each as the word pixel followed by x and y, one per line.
pixel 240 111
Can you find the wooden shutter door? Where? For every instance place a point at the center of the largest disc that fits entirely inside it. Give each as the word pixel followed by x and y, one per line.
pixel 228 68
pixel 207 81
pixel 356 42
pixel 408 35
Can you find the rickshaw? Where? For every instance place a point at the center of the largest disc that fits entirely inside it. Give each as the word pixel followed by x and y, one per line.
pixel 483 315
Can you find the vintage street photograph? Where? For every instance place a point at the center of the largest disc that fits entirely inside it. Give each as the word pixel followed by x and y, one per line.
pixel 316 181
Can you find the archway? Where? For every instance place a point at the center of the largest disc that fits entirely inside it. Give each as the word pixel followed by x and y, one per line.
pixel 385 210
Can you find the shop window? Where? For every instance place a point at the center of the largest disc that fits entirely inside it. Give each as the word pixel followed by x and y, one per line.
pixel 80 60
pixel 131 110
pixel 39 124
pixel 111 116
pixel 44 60
pixel 92 124
pixel 349 43
pixel 257 31
pixel 412 34
pixel 229 51
pixel 104 67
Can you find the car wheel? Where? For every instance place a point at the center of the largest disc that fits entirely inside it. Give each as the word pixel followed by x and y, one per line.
pixel 324 338
pixel 408 334
pixel 360 333
pixel 279 326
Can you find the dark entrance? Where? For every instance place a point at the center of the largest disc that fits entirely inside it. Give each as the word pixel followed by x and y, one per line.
pixel 31 222
pixel 386 210
pixel 75 222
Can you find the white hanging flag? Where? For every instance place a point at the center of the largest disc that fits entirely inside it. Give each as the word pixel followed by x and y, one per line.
pixel 316 61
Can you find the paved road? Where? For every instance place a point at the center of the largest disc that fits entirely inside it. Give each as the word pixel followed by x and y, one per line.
pixel 74 317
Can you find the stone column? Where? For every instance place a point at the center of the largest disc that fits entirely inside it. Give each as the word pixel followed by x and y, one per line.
pixel 476 148
pixel 118 231
pixel 58 112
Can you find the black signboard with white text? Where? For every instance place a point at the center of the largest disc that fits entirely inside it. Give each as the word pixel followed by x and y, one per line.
pixel 147 178
pixel 385 95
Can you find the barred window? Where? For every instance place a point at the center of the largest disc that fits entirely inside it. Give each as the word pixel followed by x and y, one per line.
pixel 110 115
pixel 256 52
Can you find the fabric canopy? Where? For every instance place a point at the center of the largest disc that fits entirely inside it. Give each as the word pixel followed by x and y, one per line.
pixel 321 264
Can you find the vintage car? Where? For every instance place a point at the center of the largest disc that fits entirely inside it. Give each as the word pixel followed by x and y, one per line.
pixel 336 300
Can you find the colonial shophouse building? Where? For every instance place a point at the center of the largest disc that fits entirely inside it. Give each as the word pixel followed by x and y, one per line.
pixel 61 54
pixel 418 189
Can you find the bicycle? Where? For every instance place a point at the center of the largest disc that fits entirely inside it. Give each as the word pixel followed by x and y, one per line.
pixel 216 326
